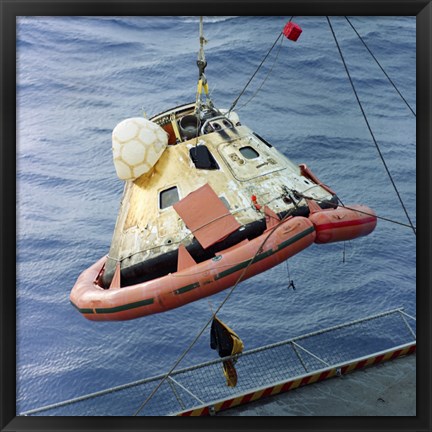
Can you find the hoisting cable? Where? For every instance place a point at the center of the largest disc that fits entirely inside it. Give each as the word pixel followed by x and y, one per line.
pixel 165 377
pixel 265 79
pixel 201 63
pixel 258 68
pixel 353 209
pixel 378 63
pixel 370 129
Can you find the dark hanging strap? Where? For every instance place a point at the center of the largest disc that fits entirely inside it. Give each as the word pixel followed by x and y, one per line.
pixel 370 129
pixel 220 339
pixel 343 253
pixel 290 281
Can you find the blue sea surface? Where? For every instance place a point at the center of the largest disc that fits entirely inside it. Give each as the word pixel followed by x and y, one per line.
pixel 78 77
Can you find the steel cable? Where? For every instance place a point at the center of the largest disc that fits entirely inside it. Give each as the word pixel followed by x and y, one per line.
pixel 369 127
pixel 378 63
pixel 211 318
pixel 256 71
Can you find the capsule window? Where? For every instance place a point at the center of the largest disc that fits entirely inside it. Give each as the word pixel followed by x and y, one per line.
pixel 248 152
pixel 168 197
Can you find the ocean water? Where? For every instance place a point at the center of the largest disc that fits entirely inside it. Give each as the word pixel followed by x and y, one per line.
pixel 77 77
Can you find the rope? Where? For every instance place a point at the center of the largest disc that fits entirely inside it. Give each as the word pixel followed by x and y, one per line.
pixel 211 318
pixel 258 68
pixel 344 252
pixel 378 63
pixel 290 281
pixel 368 125
pixel 265 79
pixel 353 209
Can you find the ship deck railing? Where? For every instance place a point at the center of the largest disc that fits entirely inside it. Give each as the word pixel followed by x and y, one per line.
pixel 265 371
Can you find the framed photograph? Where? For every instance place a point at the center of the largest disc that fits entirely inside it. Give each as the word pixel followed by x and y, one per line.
pixel 213 213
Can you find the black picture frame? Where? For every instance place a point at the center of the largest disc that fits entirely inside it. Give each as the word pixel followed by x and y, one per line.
pixel 10 10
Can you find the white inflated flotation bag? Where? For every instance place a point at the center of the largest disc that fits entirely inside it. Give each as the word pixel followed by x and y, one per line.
pixel 137 144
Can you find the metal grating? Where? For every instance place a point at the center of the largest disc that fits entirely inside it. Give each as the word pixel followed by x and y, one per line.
pixel 202 384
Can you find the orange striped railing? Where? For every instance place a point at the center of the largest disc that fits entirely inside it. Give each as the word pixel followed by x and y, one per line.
pixel 293 383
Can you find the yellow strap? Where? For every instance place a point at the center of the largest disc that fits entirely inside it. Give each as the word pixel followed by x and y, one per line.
pixel 175 127
pixel 199 90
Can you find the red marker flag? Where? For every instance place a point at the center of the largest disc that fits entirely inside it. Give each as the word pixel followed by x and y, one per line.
pixel 292 31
